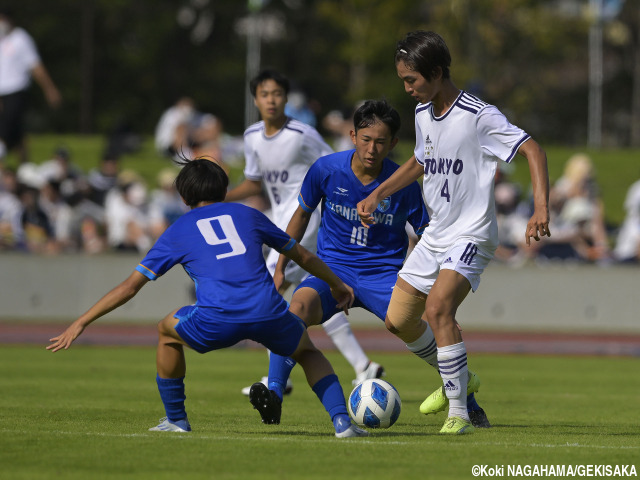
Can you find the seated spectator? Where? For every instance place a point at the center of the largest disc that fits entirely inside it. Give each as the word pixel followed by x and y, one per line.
pixel 11 234
pixel 627 248
pixel 103 178
pixel 578 182
pixel 126 214
pixel 182 129
pixel 38 232
pixel 59 213
pixel 59 169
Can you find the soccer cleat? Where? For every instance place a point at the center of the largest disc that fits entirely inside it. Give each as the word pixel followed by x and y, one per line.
pixel 167 426
pixel 373 370
pixel 479 418
pixel 438 401
pixel 346 429
pixel 265 380
pixel 456 426
pixel 266 402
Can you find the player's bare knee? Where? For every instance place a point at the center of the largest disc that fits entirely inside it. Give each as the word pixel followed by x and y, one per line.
pixel 438 315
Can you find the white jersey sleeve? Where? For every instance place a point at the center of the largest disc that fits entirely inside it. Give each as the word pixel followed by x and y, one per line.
pixel 496 135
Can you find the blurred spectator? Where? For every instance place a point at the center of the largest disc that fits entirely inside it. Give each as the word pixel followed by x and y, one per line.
pixel 575 197
pixel 103 178
pixel 165 205
pixel 339 126
pixel 59 214
pixel 19 62
pixel 11 234
pixel 182 129
pixel 126 214
pixel 59 169
pixel 38 232
pixel 512 216
pixel 627 247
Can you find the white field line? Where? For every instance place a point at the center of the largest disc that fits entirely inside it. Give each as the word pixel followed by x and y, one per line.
pixel 297 439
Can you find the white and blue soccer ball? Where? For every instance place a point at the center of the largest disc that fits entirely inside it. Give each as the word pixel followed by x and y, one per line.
pixel 374 403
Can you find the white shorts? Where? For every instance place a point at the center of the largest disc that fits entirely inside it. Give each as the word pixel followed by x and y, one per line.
pixel 293 273
pixel 424 264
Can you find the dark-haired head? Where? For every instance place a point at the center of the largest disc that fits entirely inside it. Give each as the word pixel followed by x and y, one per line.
pixel 269 74
pixel 424 52
pixel 374 111
pixel 201 180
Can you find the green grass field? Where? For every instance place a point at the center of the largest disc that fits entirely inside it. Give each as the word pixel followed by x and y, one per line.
pixel 84 413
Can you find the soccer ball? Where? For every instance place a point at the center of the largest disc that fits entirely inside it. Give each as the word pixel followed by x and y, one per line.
pixel 374 403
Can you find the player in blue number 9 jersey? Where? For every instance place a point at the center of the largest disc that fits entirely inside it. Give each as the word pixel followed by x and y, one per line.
pixel 220 247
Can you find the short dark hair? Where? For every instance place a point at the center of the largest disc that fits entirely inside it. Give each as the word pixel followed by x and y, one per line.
pixel 201 180
pixel 424 52
pixel 373 111
pixel 269 74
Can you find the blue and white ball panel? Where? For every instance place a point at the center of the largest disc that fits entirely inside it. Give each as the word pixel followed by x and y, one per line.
pixel 374 403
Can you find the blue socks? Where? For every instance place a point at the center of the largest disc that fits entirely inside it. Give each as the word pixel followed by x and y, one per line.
pixel 173 397
pixel 330 393
pixel 279 370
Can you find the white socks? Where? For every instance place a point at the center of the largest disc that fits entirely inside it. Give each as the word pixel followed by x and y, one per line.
pixel 425 348
pixel 338 328
pixel 452 363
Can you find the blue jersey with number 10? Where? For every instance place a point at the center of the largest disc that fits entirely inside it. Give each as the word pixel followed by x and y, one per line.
pixel 342 238
pixel 220 248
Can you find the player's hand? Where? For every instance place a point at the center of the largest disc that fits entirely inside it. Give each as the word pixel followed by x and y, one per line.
pixel 278 279
pixel 365 210
pixel 64 340
pixel 538 226
pixel 345 297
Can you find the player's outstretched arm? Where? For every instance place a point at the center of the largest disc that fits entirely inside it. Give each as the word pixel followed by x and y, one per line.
pixel 112 300
pixel 247 188
pixel 342 292
pixel 538 225
pixel 296 229
pixel 405 175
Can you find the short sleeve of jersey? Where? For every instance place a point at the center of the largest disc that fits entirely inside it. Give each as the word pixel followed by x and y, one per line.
pixel 311 190
pixel 497 136
pixel 314 147
pixel 252 165
pixel 160 258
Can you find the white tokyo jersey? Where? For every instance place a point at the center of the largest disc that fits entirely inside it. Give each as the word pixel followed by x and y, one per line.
pixel 281 162
pixel 459 152
pixel 18 56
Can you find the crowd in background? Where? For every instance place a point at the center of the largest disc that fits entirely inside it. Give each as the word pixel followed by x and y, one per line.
pixel 53 207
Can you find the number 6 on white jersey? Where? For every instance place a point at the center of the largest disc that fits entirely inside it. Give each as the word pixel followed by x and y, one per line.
pixel 228 228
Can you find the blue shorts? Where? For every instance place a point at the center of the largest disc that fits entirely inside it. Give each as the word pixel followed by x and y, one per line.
pixel 372 288
pixel 281 335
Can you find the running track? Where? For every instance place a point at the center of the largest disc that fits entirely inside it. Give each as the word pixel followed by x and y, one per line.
pixel 371 339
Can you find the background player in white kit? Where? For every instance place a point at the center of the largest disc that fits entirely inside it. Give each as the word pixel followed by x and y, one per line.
pixel 459 141
pixel 278 152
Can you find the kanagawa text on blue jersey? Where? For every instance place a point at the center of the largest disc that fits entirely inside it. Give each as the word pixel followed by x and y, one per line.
pixel 351 213
pixel 443 166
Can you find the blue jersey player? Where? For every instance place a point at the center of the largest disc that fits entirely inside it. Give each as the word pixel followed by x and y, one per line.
pixel 220 247
pixel 366 258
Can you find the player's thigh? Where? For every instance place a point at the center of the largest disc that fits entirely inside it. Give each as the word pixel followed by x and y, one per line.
pixel 281 335
pixel 306 301
pixel 447 293
pixel 167 329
